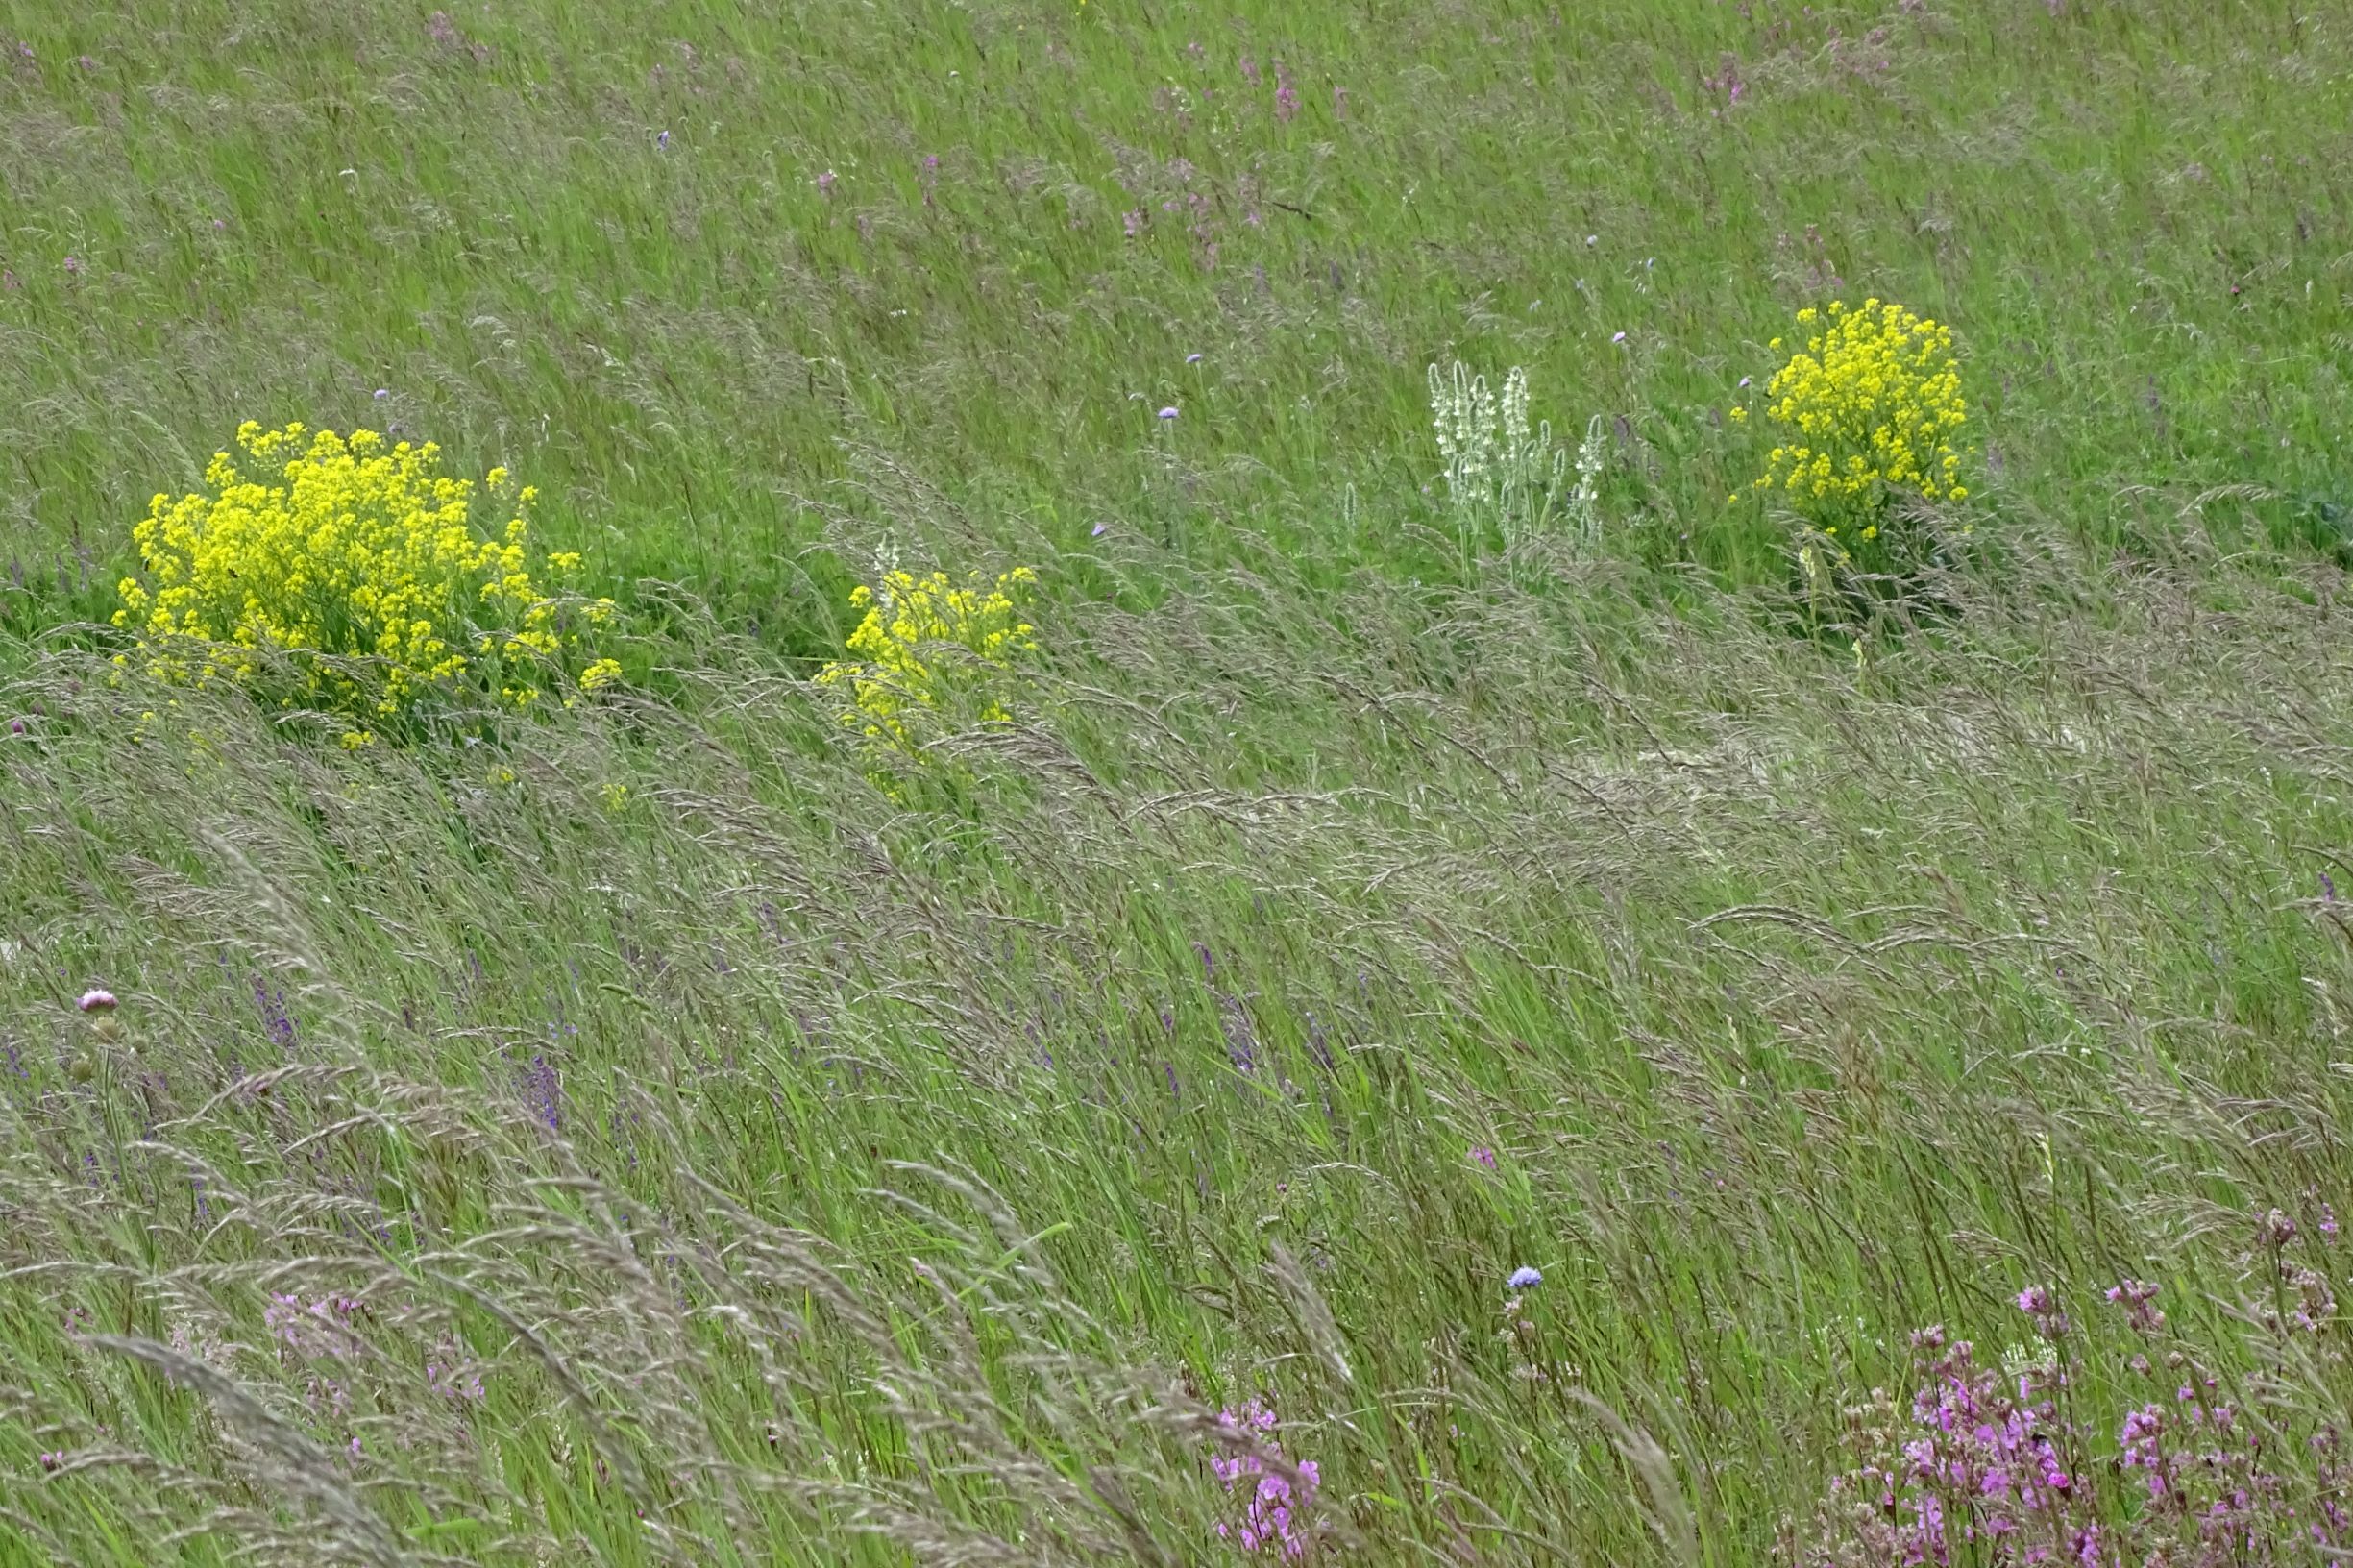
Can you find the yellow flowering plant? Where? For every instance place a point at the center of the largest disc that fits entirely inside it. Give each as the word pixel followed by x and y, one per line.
pixel 349 572
pixel 1868 411
pixel 926 650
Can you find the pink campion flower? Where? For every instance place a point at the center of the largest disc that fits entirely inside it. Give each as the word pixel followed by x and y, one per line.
pixel 1287 96
pixel 825 182
pixel 1275 1498
pixel 1485 1156
pixel 97 999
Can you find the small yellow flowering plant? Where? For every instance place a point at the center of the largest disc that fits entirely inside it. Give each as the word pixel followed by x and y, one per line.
pixel 355 568
pixel 1869 409
pixel 926 649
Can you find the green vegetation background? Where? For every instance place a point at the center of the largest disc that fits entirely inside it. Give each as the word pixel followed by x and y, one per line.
pixel 1800 999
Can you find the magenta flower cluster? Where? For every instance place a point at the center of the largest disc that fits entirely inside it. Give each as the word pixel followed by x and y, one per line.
pixel 1276 1491
pixel 1992 1468
pixel 313 1329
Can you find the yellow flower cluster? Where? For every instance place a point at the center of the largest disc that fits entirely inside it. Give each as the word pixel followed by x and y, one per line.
pixel 926 644
pixel 1874 399
pixel 356 564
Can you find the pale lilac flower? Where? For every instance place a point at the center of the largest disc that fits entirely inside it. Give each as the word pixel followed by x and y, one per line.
pixel 97 999
pixel 663 142
pixel 382 392
pixel 1099 531
pixel 1525 1278
pixel 1133 222
pixel 1743 383
pixel 1168 414
pixel 1287 96
pixel 1485 1156
pixel 825 182
pixel 1619 338
pixel 1192 358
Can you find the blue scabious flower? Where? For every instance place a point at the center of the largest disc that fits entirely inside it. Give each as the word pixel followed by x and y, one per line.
pixel 1525 1278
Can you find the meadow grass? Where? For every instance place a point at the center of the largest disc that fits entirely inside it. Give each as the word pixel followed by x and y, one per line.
pixel 640 1134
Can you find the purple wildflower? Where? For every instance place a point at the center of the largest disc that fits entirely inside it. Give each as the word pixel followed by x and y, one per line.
pixel 1276 1492
pixel 275 1018
pixel 1168 414
pixel 825 182
pixel 313 1329
pixel 97 999
pixel 543 1091
pixel 2038 1304
pixel 1485 1156
pixel 1287 96
pixel 1525 1278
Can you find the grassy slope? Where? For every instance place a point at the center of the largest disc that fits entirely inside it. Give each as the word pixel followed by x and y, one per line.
pixel 2133 215
pixel 1800 1002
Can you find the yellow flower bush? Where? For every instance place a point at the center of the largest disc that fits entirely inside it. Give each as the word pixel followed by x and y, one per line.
pixel 926 647
pixel 356 564
pixel 1870 404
